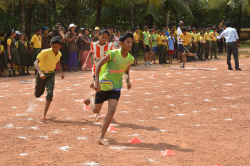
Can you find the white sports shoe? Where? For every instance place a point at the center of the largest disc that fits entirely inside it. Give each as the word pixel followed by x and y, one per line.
pixel 146 64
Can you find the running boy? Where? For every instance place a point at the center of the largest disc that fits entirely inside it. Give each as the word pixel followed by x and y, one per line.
pixel 109 83
pixel 45 65
pixel 171 42
pixel 185 38
pixel 99 49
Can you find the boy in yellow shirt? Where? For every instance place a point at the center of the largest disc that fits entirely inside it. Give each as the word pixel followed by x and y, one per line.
pixel 36 42
pixel 214 43
pixel 136 45
pixel 163 53
pixel 185 38
pixel 195 41
pixel 2 61
pixel 45 65
pixel 202 45
pixel 159 43
pixel 207 46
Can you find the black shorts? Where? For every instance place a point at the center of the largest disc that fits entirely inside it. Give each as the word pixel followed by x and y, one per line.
pixel 102 96
pixel 147 48
pixel 186 49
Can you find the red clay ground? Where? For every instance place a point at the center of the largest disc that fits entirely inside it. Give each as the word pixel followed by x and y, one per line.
pixel 202 116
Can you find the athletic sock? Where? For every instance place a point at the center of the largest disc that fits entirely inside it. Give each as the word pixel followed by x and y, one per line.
pixel 14 72
pixel 9 70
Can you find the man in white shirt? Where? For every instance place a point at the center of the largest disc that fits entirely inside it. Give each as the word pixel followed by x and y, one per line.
pixel 180 44
pixel 232 41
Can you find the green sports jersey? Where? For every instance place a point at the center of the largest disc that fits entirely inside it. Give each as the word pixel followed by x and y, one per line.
pixel 154 43
pixel 110 77
pixel 146 37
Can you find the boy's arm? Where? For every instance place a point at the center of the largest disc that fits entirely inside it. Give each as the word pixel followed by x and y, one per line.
pixel 59 66
pixel 42 76
pixel 143 41
pixel 127 78
pixel 104 60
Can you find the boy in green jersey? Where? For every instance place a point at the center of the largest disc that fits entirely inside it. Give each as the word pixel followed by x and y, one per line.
pixel 108 81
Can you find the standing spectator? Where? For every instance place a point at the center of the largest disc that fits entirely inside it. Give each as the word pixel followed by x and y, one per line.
pixel 167 31
pixel 45 39
pixel 117 36
pixel 85 42
pixel 180 43
pixel 214 43
pixel 95 37
pixel 72 48
pixel 171 42
pixel 232 41
pixel 11 54
pixel 220 41
pixel 135 47
pixel 29 54
pixel 63 49
pixel 2 60
pixel 36 42
pixel 22 55
pixel 55 32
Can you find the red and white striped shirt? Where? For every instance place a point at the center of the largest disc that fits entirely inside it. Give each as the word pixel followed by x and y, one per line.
pixel 100 52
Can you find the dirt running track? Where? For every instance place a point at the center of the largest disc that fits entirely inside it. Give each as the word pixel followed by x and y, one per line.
pixel 202 116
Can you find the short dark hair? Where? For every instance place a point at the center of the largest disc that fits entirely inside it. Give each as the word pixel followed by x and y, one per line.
pixel 104 31
pixel 37 29
pixel 184 29
pixel 59 23
pixel 181 24
pixel 171 32
pixel 145 27
pixel 151 30
pixel 156 28
pixel 136 28
pixel 193 28
pixel 201 32
pixel 228 24
pixel 214 28
pixel 124 36
pixel 55 39
pixel 112 36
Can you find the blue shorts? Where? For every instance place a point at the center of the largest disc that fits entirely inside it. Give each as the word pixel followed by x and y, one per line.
pixel 180 47
pixel 155 49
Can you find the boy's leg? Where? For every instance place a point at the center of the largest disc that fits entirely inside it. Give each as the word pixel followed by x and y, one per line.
pixel 50 84
pixel 111 111
pixel 160 54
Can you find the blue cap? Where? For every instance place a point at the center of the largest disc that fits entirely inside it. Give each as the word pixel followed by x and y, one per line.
pixel 45 28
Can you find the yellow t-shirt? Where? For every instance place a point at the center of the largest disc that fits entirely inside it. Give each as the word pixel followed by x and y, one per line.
pixel 140 31
pixel 195 37
pixel 9 42
pixel 186 38
pixel 164 38
pixel 48 59
pixel 2 49
pixel 213 38
pixel 2 38
pixel 159 40
pixel 198 37
pixel 136 37
pixel 202 39
pixel 175 34
pixel 207 37
pixel 37 41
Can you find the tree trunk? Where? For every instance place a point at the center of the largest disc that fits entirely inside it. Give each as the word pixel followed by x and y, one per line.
pixel 168 17
pixel 151 21
pixel 28 19
pixel 99 11
pixel 239 20
pixel 132 17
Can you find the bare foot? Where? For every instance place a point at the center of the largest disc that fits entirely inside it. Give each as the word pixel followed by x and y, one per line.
pixel 44 119
pixel 102 142
pixel 98 116
pixel 87 100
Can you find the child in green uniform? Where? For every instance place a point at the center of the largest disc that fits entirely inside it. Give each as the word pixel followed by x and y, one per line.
pixel 22 55
pixel 154 44
pixel 108 82
pixel 36 43
pixel 2 61
pixel 29 54
pixel 45 65
pixel 202 46
pixel 11 54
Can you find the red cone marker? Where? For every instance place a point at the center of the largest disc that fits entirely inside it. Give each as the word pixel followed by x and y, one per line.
pixel 153 75
pixel 132 80
pixel 217 165
pixel 135 141
pixel 82 100
pixel 86 107
pixel 112 128
pixel 168 152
